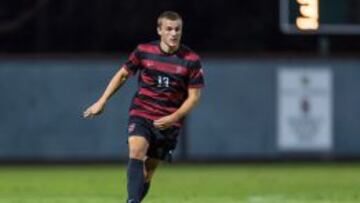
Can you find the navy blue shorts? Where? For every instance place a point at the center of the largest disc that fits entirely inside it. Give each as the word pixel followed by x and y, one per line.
pixel 162 142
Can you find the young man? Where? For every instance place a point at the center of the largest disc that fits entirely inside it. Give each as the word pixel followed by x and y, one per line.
pixel 169 85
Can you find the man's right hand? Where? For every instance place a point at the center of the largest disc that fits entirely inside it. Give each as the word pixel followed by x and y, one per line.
pixel 94 110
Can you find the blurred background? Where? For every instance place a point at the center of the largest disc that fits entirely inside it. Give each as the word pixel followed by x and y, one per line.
pixel 282 78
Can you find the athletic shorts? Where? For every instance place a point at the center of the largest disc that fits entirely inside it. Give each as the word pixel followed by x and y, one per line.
pixel 162 142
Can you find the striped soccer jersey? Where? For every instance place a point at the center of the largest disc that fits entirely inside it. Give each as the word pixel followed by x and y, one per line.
pixel 163 79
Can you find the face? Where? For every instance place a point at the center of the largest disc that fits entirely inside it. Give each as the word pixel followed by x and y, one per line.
pixel 170 32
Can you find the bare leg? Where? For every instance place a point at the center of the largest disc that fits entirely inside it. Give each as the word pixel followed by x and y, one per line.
pixel 149 170
pixel 138 147
pixel 150 167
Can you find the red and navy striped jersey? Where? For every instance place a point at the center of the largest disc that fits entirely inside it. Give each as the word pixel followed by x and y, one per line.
pixel 163 80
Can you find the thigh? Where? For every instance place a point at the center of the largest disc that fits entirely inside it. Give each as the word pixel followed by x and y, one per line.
pixel 138 137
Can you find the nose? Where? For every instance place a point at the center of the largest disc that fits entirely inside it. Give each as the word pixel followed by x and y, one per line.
pixel 173 32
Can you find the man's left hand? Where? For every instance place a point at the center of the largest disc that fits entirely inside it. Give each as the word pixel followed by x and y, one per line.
pixel 165 122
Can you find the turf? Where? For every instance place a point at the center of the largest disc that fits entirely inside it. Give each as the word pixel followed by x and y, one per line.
pixel 241 183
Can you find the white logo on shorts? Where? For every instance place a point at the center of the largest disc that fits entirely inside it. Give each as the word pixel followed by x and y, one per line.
pixel 131 127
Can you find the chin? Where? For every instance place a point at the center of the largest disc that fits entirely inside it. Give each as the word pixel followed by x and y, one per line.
pixel 173 45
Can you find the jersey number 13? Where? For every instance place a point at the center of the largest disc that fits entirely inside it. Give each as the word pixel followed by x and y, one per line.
pixel 163 81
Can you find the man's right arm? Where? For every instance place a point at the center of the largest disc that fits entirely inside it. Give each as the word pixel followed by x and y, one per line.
pixel 116 82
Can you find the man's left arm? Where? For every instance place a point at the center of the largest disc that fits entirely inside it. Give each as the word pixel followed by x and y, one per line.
pixel 191 101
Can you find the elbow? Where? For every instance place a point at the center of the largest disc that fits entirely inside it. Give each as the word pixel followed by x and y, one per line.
pixel 194 96
pixel 122 76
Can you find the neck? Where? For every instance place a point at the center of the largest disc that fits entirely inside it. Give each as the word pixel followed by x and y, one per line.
pixel 167 49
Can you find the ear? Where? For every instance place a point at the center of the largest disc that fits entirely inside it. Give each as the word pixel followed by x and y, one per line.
pixel 158 30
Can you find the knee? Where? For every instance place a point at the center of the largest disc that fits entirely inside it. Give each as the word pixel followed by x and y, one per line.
pixel 137 147
pixel 137 153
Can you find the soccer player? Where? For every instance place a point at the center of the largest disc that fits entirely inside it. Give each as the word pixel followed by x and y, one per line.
pixel 170 79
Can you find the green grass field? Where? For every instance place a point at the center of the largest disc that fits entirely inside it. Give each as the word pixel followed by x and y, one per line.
pixel 243 183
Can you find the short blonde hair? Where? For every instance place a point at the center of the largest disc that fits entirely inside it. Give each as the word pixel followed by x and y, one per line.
pixel 170 15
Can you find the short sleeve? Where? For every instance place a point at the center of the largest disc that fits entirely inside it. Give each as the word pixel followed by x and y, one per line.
pixel 133 63
pixel 196 79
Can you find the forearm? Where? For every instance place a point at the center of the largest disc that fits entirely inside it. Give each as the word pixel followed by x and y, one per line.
pixel 116 82
pixel 186 107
